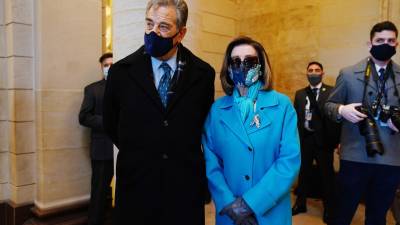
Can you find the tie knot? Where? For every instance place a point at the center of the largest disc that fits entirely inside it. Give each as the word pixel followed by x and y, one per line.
pixel 166 68
pixel 381 73
pixel 314 90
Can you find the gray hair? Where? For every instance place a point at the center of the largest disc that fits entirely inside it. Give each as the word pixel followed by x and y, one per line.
pixel 180 7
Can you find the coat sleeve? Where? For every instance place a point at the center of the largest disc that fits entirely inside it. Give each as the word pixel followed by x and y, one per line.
pixel 337 97
pixel 111 107
pixel 87 117
pixel 218 187
pixel 278 180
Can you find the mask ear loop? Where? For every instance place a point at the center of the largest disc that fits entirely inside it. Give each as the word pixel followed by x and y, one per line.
pixel 177 43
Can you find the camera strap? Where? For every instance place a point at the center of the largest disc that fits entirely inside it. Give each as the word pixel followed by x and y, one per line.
pixel 367 75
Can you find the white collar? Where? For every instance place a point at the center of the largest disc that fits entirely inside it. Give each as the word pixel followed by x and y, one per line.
pixel 171 62
pixel 317 86
pixel 377 67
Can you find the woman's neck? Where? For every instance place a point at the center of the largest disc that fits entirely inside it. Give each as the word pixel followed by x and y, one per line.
pixel 243 90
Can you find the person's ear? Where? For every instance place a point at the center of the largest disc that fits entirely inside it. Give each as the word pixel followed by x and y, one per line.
pixel 182 34
pixel 369 45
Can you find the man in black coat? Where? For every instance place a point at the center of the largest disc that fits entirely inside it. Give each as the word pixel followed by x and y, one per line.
pixel 155 104
pixel 318 136
pixel 101 146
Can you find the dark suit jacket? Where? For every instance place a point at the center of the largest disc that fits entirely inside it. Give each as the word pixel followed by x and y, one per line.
pixel 328 132
pixel 160 166
pixel 90 115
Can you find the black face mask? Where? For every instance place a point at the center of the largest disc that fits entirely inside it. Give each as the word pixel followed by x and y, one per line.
pixel 383 52
pixel 314 79
pixel 158 46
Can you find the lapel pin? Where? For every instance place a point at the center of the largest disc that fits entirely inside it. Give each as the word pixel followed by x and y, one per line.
pixel 256 121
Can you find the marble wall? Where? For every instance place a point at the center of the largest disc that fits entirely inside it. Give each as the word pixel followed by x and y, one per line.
pixel 17 151
pixel 67 46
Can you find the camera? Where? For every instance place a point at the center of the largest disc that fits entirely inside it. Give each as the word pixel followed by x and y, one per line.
pixel 369 129
pixel 386 113
pixel 390 112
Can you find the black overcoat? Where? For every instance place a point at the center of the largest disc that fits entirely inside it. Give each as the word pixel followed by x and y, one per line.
pixel 91 115
pixel 327 131
pixel 160 167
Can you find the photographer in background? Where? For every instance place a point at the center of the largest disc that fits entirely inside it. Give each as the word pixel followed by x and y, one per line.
pixel 366 98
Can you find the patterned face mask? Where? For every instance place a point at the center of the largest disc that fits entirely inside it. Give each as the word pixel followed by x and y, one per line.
pixel 245 77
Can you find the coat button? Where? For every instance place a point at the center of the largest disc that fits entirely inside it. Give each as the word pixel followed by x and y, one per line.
pixel 165 123
pixel 250 149
pixel 247 177
pixel 164 156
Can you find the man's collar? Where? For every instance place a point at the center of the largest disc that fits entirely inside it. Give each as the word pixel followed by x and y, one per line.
pixel 317 86
pixel 171 62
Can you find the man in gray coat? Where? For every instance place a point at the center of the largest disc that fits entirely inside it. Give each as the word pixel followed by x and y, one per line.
pixel 364 98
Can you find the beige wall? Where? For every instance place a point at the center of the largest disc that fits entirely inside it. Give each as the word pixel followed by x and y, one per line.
pixel 299 31
pixel 67 47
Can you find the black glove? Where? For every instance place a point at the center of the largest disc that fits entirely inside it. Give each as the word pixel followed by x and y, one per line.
pixel 250 220
pixel 238 211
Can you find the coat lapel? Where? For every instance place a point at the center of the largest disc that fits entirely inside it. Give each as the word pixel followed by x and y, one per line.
pixel 359 72
pixel 396 71
pixel 264 104
pixel 186 77
pixel 231 118
pixel 143 75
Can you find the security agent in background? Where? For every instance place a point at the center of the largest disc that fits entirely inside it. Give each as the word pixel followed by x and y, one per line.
pixel 319 136
pixel 366 98
pixel 101 146
pixel 155 105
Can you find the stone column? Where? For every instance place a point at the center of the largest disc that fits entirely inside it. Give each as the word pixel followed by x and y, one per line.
pixel 17 179
pixel 67 47
pixel 4 169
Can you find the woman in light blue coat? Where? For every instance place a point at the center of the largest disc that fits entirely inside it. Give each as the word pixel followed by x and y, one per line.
pixel 250 142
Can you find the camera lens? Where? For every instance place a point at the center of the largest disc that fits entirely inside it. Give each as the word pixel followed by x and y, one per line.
pixel 369 130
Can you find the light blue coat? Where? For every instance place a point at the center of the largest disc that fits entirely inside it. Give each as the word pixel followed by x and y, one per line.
pixel 259 164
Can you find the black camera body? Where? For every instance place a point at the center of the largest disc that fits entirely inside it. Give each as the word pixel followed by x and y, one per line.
pixel 390 112
pixel 369 129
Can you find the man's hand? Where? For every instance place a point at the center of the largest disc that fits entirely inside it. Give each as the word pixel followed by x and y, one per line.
pixel 350 113
pixel 339 149
pixel 392 126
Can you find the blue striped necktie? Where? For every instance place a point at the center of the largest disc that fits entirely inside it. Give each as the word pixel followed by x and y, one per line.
pixel 163 86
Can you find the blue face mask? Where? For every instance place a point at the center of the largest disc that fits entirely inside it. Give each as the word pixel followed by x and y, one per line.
pixel 245 77
pixel 105 71
pixel 158 46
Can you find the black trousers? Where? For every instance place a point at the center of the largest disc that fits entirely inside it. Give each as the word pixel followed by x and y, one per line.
pixel 376 183
pixel 324 158
pixel 101 193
